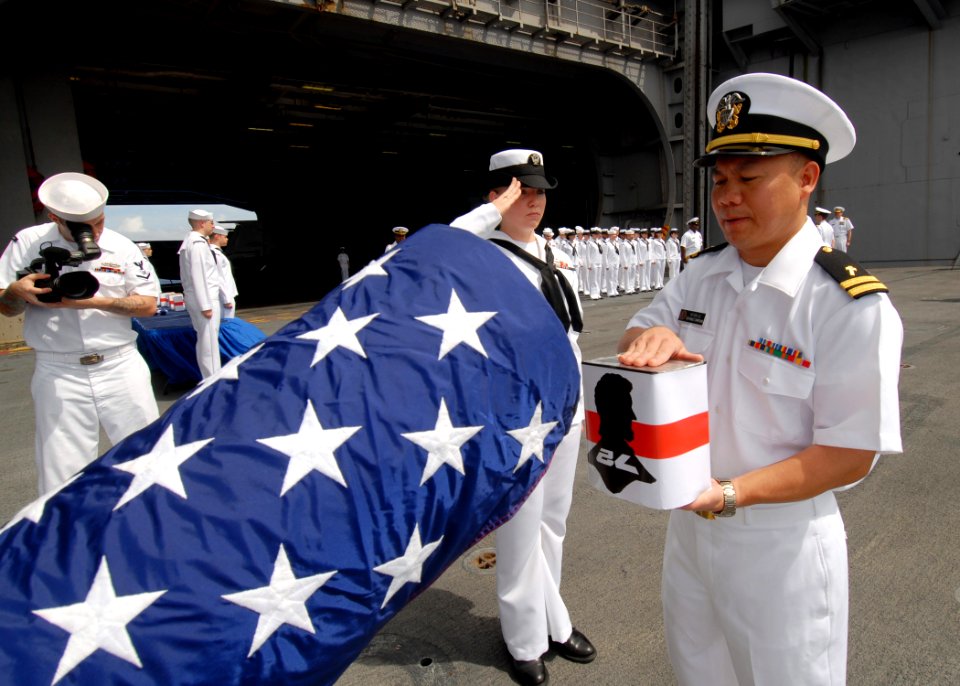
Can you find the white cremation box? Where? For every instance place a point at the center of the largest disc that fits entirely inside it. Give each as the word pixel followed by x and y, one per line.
pixel 648 431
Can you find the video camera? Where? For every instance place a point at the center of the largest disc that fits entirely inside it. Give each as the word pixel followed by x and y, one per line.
pixel 72 285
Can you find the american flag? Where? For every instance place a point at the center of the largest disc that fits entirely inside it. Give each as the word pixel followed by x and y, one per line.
pixel 272 521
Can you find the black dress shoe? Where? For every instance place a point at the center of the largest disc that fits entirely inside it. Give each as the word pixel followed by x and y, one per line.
pixel 577 648
pixel 530 672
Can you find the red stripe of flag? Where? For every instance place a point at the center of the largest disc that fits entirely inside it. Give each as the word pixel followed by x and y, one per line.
pixel 660 441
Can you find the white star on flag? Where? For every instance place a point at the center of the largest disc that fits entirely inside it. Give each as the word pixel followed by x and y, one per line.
pixel 408 567
pixel 531 437
pixel 160 466
pixel 373 269
pixel 283 601
pixel 442 443
pixel 100 621
pixel 339 332
pixel 458 326
pixel 34 511
pixel 311 448
pixel 229 372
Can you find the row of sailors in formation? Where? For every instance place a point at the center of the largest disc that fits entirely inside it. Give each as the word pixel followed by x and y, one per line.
pixel 610 261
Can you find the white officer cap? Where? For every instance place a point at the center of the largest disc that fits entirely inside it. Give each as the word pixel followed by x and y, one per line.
pixel 524 165
pixel 401 230
pixel 693 220
pixel 220 230
pixel 73 197
pixel 200 215
pixel 822 210
pixel 838 208
pixel 770 114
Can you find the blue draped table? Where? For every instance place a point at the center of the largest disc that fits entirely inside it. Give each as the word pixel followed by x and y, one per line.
pixel 168 343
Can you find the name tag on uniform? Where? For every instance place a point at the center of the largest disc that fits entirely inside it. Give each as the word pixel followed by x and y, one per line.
pixel 691 317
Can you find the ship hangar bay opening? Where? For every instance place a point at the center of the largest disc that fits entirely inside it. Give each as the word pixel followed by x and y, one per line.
pixel 335 130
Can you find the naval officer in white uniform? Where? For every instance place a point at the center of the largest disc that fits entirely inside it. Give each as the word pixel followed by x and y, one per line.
pixel 201 290
pixel 88 371
pixel 533 616
pixel 803 353
pixel 219 240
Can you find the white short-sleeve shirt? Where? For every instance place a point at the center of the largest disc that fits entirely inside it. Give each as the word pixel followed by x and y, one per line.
pixel 764 408
pixel 121 269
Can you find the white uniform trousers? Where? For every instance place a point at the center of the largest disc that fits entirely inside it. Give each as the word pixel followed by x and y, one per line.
pixel 840 241
pixel 645 276
pixel 631 280
pixel 656 273
pixel 759 598
pixel 208 337
pixel 71 402
pixel 673 268
pixel 594 280
pixel 529 557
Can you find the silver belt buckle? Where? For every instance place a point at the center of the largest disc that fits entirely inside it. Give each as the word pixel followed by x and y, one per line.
pixel 91 358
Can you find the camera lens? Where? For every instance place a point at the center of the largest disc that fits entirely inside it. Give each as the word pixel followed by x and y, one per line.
pixel 76 285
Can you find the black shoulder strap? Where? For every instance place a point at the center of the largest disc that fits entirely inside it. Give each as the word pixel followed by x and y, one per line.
pixel 555 288
pixel 853 278
pixel 707 251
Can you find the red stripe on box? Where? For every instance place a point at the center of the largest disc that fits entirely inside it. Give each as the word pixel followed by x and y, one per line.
pixel 660 441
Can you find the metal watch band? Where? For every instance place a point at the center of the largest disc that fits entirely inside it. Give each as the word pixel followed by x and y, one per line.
pixel 729 499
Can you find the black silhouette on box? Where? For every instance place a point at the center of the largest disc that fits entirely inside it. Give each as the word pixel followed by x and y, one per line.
pixel 612 456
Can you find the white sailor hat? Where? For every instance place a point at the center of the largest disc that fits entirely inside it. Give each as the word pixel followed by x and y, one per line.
pixel 644 230
pixel 401 230
pixel 143 245
pixel 628 232
pixel 73 197
pixel 200 215
pixel 674 230
pixel 841 209
pixel 770 114
pixel 579 230
pixel 548 231
pixel 596 229
pixel 693 220
pixel 524 165
pixel 821 210
pixel 220 230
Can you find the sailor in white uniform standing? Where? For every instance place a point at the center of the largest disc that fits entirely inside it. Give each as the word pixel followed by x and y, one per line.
pixel 88 372
pixel 820 215
pixel 594 262
pixel 533 616
pixel 692 240
pixel 201 289
pixel 657 256
pixel 643 260
pixel 228 287
pixel 803 357
pixel 842 229
pixel 673 255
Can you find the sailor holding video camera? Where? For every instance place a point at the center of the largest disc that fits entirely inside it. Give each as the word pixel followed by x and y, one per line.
pixel 78 284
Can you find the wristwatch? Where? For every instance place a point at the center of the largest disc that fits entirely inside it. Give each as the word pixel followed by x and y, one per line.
pixel 729 499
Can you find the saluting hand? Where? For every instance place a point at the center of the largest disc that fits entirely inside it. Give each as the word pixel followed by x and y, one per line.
pixel 505 200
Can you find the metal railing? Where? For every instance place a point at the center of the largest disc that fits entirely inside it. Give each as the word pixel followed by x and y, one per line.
pixel 618 24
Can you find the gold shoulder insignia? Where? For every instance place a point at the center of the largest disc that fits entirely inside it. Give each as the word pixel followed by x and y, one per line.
pixel 853 278
pixel 707 251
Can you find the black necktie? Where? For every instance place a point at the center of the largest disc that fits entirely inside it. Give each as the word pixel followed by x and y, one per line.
pixel 555 288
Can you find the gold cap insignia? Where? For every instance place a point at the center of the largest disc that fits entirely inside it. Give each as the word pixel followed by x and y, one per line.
pixel 728 110
pixel 535 160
